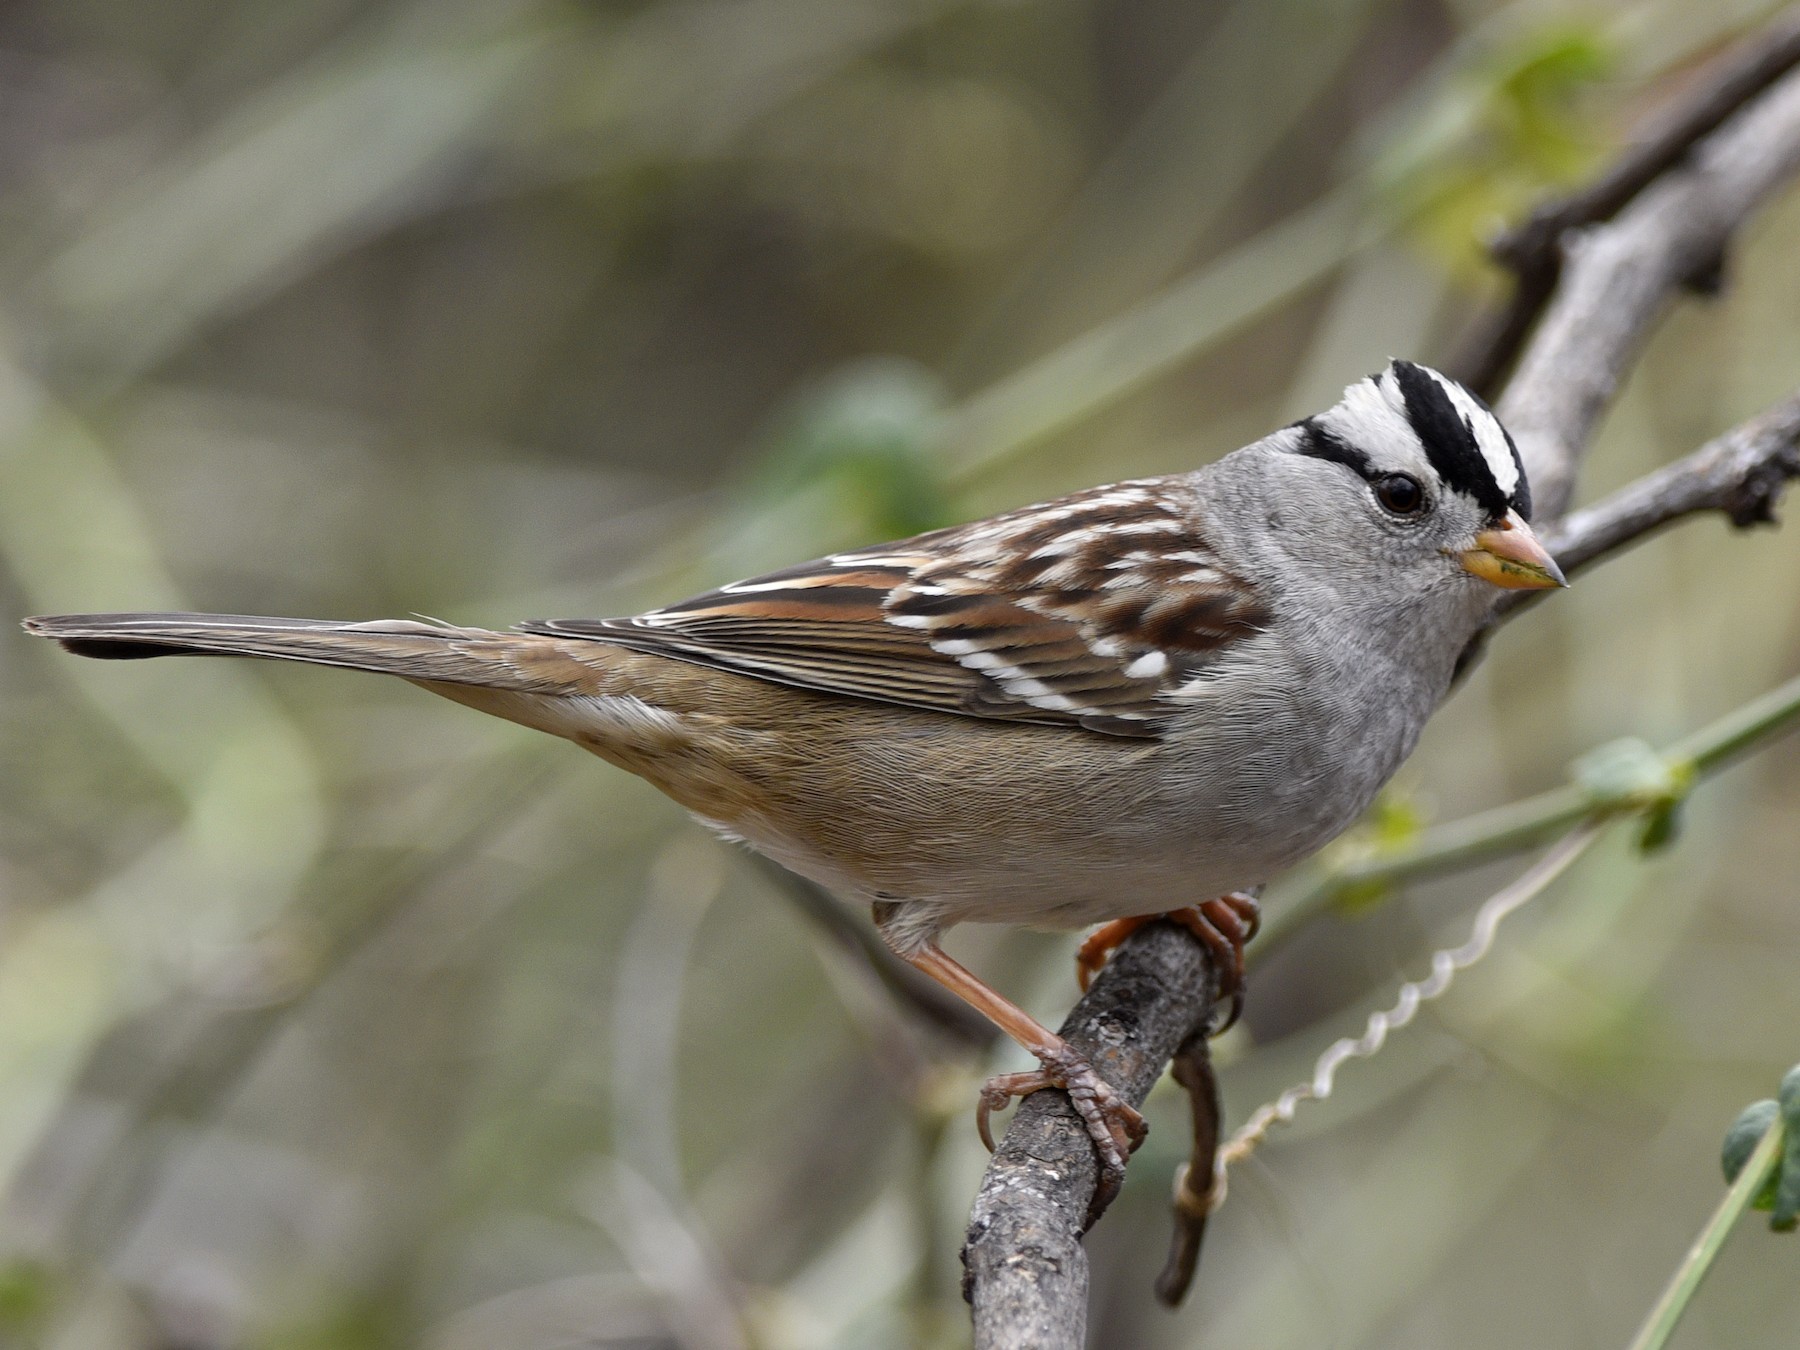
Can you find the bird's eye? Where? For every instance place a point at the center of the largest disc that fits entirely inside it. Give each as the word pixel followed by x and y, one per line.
pixel 1400 494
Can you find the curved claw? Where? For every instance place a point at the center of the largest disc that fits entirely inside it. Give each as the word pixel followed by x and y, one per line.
pixel 1113 1125
pixel 1231 1017
pixel 1246 907
pixel 1224 926
pixel 1218 924
pixel 997 1092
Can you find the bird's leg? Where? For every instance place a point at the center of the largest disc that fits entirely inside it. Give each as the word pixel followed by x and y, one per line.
pixel 1224 925
pixel 1114 1126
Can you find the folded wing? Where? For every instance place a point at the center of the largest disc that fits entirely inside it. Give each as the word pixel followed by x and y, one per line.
pixel 1085 612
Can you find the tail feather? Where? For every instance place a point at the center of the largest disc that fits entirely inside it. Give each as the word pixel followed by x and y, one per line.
pixel 404 647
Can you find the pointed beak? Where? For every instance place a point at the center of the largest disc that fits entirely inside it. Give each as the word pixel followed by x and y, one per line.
pixel 1510 556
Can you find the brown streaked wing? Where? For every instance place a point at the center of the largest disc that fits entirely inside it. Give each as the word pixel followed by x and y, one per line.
pixel 1080 612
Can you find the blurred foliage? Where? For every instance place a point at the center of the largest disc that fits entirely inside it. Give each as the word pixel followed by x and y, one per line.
pixel 1392 823
pixel 27 1299
pixel 1522 114
pixel 330 1016
pixel 849 462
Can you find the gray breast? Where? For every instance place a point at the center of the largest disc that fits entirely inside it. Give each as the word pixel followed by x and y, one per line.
pixel 1293 751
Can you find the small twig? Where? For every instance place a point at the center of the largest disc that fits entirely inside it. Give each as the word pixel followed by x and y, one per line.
pixel 1734 80
pixel 1660 1325
pixel 1742 474
pixel 1026 1274
pixel 1192 1069
pixel 1617 277
pixel 1533 248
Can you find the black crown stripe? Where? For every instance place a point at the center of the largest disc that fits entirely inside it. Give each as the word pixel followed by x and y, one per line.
pixel 1448 439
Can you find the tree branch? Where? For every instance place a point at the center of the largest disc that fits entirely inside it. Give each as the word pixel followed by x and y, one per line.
pixel 1026 1275
pixel 1533 250
pixel 1617 278
pixel 1194 1183
pixel 1741 474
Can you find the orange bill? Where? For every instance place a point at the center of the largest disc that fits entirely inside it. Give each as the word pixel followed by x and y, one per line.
pixel 1510 556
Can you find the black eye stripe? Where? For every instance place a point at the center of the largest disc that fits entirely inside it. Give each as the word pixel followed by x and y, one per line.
pixel 1322 443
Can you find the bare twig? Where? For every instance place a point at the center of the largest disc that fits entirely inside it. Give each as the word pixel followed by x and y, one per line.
pixel 1533 249
pixel 1026 1273
pixel 1194 1182
pixel 1741 474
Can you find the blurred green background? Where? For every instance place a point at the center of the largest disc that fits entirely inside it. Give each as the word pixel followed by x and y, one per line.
pixel 334 1016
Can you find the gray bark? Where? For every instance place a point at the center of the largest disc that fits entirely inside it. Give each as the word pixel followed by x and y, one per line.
pixel 1740 475
pixel 1026 1273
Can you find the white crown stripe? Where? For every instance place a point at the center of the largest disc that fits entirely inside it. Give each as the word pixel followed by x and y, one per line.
pixel 1490 439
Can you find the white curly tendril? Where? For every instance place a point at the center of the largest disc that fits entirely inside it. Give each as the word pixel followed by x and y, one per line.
pixel 1444 965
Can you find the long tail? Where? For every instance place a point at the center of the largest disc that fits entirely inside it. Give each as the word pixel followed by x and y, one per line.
pixel 412 650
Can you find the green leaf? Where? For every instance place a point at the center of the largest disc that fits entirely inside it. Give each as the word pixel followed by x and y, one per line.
pixel 1741 1141
pixel 1787 1176
pixel 1628 775
pixel 1661 826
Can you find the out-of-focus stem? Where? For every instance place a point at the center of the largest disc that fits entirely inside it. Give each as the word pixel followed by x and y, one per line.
pixel 1660 1324
pixel 1519 825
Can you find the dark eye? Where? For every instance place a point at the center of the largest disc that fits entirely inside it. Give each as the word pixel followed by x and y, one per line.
pixel 1400 494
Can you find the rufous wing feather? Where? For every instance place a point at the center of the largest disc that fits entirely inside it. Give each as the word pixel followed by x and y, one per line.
pixel 1088 611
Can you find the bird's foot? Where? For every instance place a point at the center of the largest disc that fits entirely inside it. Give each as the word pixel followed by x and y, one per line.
pixel 1102 942
pixel 1112 1123
pixel 1224 925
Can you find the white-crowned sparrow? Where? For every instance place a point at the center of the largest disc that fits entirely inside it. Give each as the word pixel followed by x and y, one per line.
pixel 1087 710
